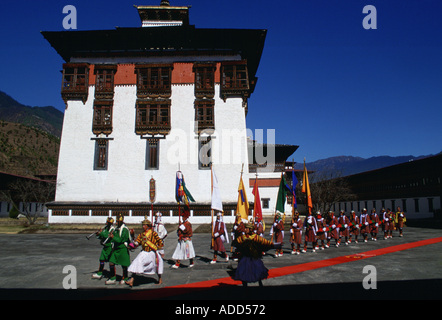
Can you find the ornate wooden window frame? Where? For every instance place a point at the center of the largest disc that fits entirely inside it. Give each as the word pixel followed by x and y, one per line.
pixel 104 81
pixel 102 121
pixel 152 154
pixel 75 82
pixel 234 79
pixel 204 115
pixel 154 80
pixel 152 117
pixel 204 80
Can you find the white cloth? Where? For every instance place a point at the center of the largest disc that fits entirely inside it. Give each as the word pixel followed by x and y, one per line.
pixel 147 263
pixel 184 250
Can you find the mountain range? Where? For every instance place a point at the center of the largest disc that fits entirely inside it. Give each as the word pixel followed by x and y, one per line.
pixel 47 118
pixel 50 120
pixel 348 165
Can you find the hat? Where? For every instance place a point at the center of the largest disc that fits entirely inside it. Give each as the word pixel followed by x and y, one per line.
pixel 110 220
pixel 146 221
pixel 120 217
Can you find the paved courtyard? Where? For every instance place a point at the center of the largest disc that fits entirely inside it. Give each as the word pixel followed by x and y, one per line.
pixel 33 267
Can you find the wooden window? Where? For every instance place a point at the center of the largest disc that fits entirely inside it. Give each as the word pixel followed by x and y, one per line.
pixel 205 152
pixel 75 81
pixel 104 81
pixel 152 117
pixel 234 79
pixel 102 122
pixel 154 80
pixel 265 203
pixel 101 154
pixel 152 154
pixel 204 114
pixel 204 80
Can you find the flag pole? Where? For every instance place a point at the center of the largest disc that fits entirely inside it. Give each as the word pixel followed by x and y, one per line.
pixel 211 194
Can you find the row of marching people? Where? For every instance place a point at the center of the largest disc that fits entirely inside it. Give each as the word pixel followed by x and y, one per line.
pixel 322 231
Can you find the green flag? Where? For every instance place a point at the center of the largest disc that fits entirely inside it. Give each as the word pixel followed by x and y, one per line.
pixel 282 193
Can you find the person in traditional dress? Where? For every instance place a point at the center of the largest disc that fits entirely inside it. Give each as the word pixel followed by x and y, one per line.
pixel 310 229
pixel 354 227
pixel 149 260
pixel 344 231
pixel 161 230
pixel 120 239
pixel 321 234
pixel 385 221
pixel 400 220
pixel 365 225
pixel 333 229
pixel 250 266
pixel 296 233
pixel 184 249
pixel 374 224
pixel 277 231
pixel 258 227
pixel 103 236
pixel 238 229
pixel 391 224
pixel 220 237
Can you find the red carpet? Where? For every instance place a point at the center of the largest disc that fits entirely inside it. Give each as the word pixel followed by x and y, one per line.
pixel 273 273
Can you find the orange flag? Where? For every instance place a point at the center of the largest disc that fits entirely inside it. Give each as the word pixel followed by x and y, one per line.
pixel 306 189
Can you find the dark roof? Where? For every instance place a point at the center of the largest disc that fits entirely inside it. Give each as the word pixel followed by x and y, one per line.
pixel 178 40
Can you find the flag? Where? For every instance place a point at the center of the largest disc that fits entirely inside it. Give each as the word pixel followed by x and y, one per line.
pixel 257 210
pixel 217 203
pixel 306 189
pixel 282 193
pixel 182 195
pixel 293 188
pixel 242 206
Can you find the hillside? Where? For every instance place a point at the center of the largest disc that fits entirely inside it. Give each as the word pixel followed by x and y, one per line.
pixel 27 151
pixel 47 119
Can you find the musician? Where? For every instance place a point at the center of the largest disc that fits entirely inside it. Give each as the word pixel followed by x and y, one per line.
pixel 296 233
pixel 160 229
pixel 103 236
pixel 250 266
pixel 400 220
pixel 184 249
pixel 219 236
pixel 354 226
pixel 149 260
pixel 343 223
pixel 277 231
pixel 120 240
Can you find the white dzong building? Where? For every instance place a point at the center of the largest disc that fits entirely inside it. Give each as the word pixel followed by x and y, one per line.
pixel 143 103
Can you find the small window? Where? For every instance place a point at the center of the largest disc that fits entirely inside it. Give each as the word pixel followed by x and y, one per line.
pixel 265 203
pixel 152 154
pixel 205 152
pixel 101 154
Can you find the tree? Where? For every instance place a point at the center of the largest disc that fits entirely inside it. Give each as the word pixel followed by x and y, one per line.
pixel 328 188
pixel 28 191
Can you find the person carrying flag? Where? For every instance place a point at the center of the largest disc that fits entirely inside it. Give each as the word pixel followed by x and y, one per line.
pixel 296 233
pixel 219 237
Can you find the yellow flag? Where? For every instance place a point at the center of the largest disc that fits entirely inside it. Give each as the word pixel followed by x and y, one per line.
pixel 242 207
pixel 306 189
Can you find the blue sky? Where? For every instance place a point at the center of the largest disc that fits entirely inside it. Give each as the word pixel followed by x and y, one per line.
pixel 325 83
